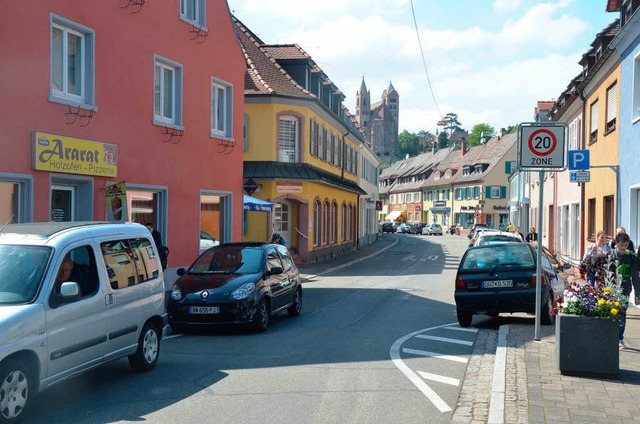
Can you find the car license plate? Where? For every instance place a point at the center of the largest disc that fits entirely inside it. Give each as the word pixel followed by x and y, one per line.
pixel 204 310
pixel 496 284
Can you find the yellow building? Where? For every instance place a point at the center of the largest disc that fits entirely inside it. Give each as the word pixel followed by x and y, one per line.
pixel 301 152
pixel 601 94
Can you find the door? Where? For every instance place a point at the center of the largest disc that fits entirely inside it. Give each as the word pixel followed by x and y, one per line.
pixel 282 220
pixel 279 283
pixel 62 203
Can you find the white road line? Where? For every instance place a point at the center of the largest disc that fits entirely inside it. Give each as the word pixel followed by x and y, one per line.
pixel 445 339
pixel 468 330
pixel 435 355
pixel 394 352
pixel 498 387
pixel 440 378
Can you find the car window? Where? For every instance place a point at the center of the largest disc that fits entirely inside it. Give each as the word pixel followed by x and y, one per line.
pixel 273 259
pixel 84 271
pixel 286 257
pixel 119 260
pixel 22 269
pixel 510 254
pixel 144 255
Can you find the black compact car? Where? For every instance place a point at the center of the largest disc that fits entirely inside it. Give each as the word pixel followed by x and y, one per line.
pixel 236 283
pixel 388 227
pixel 494 279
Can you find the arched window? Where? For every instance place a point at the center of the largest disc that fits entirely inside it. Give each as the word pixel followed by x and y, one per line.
pixel 350 222
pixel 288 139
pixel 344 222
pixel 325 222
pixel 316 222
pixel 334 222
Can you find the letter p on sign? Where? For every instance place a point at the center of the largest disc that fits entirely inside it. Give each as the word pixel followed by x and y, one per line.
pixel 578 160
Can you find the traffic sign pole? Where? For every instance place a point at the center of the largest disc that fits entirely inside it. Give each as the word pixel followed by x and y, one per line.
pixel 536 335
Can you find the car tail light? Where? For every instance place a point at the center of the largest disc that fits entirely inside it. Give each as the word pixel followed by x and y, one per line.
pixel 533 280
pixel 460 284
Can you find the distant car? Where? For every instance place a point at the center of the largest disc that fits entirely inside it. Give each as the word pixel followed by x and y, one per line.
pixel 207 241
pixel 496 237
pixel 500 278
pixel 432 229
pixel 236 283
pixel 416 228
pixel 476 227
pixel 404 228
pixel 388 227
pixel 476 233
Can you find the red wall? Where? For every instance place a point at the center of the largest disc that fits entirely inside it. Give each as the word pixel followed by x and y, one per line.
pixel 125 46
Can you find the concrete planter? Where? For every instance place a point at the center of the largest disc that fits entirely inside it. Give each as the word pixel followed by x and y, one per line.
pixel 587 345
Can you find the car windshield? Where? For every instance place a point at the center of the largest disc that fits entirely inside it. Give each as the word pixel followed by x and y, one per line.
pixel 488 257
pixel 228 260
pixel 498 239
pixel 22 269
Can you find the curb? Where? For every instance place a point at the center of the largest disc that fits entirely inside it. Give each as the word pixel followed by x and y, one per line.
pixel 498 382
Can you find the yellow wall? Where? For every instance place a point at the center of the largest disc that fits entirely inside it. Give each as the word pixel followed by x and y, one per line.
pixel 603 152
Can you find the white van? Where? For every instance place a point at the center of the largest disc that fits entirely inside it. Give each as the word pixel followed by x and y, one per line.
pixel 109 304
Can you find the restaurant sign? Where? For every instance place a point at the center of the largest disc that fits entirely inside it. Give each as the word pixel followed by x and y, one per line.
pixel 74 156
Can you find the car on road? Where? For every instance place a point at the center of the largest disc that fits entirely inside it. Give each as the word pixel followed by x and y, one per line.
pixel 404 228
pixel 417 227
pixel 432 229
pixel 73 296
pixel 501 278
pixel 236 283
pixel 207 241
pixel 496 237
pixel 388 227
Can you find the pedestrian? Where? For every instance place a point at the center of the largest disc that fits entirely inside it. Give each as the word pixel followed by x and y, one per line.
pixel 163 251
pixel 627 266
pixel 519 233
pixel 510 228
pixel 621 230
pixel 277 239
pixel 593 264
pixel 532 236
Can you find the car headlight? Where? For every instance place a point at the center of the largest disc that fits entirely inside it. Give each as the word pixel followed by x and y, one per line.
pixel 176 293
pixel 243 291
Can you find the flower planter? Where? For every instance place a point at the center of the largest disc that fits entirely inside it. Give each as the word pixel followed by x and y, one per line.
pixel 587 345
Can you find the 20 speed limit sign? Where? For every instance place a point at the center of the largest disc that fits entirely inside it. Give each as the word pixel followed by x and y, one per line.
pixel 542 146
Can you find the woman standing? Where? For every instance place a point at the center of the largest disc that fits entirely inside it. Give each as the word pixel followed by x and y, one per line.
pixel 594 261
pixel 532 236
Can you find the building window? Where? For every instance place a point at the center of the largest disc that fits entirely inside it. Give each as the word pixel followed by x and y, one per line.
pixel 167 83
pixel 325 222
pixel 334 222
pixel 221 108
pixel 288 130
pixel 15 198
pixel 316 222
pixel 591 219
pixel 344 222
pixel 72 63
pixel 593 136
pixel 194 12
pixel 635 110
pixel 612 107
pixel 495 192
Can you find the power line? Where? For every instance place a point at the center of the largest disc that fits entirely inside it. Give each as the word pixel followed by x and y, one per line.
pixel 424 62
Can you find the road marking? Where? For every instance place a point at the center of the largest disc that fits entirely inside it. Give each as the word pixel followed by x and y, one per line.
pixel 435 355
pixel 394 352
pixel 432 257
pixel 440 378
pixel 468 330
pixel 445 339
pixel 409 258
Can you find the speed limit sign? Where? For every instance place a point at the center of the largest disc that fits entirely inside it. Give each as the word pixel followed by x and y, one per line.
pixel 542 147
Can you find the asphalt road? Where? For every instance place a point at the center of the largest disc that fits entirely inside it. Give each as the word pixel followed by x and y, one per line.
pixel 377 342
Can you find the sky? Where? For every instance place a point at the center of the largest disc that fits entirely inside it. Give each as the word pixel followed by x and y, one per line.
pixel 488 61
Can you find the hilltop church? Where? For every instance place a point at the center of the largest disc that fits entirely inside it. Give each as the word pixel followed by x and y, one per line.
pixel 380 121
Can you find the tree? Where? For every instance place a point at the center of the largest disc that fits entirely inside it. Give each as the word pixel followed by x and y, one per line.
pixel 408 144
pixel 480 133
pixel 452 123
pixel 443 140
pixel 427 141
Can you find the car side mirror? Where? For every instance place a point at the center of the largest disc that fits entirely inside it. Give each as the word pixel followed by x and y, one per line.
pixel 181 271
pixel 69 292
pixel 275 270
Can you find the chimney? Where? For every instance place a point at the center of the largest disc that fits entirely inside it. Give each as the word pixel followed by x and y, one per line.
pixel 502 132
pixel 463 147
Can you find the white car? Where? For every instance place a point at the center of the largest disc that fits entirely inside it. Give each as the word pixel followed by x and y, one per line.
pixel 207 241
pixel 432 229
pixel 497 237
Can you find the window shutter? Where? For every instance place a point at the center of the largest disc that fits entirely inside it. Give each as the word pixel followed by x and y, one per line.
pixel 312 139
pixel 321 141
pixel 612 94
pixel 594 116
pixel 246 132
pixel 503 192
pixel 487 192
pixel 507 167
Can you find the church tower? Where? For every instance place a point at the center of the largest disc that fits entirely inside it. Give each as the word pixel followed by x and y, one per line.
pixel 363 107
pixel 392 99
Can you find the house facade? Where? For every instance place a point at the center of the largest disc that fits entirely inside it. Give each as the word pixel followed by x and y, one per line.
pixel 147 96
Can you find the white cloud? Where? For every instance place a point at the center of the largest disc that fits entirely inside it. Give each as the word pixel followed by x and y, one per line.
pixel 503 7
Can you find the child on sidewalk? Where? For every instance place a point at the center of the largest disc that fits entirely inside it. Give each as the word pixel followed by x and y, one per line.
pixel 628 266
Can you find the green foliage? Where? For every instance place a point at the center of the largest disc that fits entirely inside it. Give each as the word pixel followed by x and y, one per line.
pixel 452 123
pixel 408 144
pixel 480 133
pixel 443 141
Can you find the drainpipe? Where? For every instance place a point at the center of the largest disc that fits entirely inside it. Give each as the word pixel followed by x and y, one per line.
pixel 582 205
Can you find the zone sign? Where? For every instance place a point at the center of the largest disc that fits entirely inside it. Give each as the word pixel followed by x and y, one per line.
pixel 542 147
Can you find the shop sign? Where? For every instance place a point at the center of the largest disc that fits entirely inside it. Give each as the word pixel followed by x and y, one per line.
pixel 68 155
pixel 285 187
pixel 439 203
pixel 500 208
pixel 370 204
pixel 116 196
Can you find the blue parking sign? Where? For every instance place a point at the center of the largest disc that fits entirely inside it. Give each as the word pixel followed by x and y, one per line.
pixel 578 160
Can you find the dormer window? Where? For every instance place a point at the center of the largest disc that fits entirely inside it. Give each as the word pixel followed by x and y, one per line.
pixel 478 169
pixel 466 170
pixel 436 175
pixel 447 174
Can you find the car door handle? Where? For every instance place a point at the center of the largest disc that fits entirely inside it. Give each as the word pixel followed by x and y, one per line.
pixel 109 299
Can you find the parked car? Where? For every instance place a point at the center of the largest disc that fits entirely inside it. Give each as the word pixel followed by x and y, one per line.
pixel 500 278
pixel 388 227
pixel 74 295
pixel 404 228
pixel 476 227
pixel 236 283
pixel 496 237
pixel 476 233
pixel 207 241
pixel 432 229
pixel 416 228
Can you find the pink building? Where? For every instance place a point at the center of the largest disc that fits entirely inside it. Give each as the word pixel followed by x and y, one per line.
pixel 145 93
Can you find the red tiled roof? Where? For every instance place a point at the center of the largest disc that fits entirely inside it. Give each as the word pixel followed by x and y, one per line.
pixel 286 51
pixel 545 105
pixel 614 5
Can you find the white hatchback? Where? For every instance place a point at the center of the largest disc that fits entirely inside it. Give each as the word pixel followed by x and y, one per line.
pixel 74 295
pixel 496 237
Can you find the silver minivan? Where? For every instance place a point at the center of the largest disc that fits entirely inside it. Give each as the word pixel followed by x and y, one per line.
pixel 74 295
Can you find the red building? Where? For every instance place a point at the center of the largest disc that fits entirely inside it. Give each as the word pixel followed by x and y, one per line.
pixel 145 93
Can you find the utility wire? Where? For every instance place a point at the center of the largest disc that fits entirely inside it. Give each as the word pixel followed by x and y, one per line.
pixel 424 62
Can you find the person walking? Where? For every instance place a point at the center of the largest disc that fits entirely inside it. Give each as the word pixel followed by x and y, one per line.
pixel 532 236
pixel 593 264
pixel 627 266
pixel 621 230
pixel 163 251
pixel 518 232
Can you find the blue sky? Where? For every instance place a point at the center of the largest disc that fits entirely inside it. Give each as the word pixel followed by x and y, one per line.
pixel 489 61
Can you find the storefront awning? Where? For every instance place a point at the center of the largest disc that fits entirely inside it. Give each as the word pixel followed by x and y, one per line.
pixel 393 215
pixel 256 205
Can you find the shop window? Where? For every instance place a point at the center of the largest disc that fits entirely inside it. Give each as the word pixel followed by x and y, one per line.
pixel 15 199
pixel 215 212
